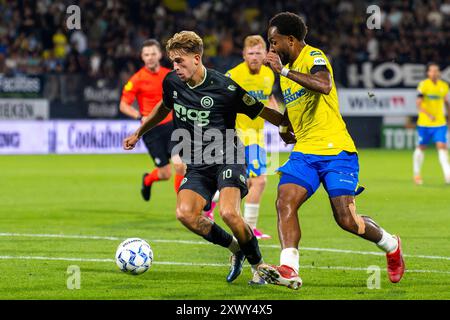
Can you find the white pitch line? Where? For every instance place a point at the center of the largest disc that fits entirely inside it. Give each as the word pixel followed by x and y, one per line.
pixel 88 237
pixel 192 264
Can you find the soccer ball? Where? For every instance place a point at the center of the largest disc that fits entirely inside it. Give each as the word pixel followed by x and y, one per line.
pixel 134 256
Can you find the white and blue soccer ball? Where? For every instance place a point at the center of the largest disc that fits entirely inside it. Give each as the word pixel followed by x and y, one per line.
pixel 134 256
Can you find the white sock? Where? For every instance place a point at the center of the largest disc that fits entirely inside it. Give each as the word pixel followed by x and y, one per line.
pixel 388 242
pixel 216 197
pixel 234 246
pixel 443 159
pixel 290 258
pixel 418 158
pixel 251 212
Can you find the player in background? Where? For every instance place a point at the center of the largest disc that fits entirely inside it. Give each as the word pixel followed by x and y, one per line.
pixel 431 124
pixel 146 86
pixel 324 152
pixel 258 80
pixel 206 103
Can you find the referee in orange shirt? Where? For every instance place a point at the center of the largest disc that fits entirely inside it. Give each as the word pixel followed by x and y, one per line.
pixel 146 86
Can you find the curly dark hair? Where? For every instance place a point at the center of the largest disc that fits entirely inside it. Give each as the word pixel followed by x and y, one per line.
pixel 289 24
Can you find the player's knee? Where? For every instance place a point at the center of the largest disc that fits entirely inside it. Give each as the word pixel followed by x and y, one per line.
pixel 349 220
pixel 345 221
pixel 285 202
pixel 165 172
pixel 259 182
pixel 185 215
pixel 180 169
pixel 229 215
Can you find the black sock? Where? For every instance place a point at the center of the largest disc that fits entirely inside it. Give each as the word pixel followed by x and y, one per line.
pixel 219 236
pixel 251 251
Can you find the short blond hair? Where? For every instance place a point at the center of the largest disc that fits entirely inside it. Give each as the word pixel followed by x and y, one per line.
pixel 185 41
pixel 254 40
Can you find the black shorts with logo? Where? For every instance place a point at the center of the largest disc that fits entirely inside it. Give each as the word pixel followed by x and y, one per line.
pixel 206 181
pixel 159 144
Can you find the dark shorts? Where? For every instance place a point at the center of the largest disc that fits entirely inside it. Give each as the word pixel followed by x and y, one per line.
pixel 159 144
pixel 207 181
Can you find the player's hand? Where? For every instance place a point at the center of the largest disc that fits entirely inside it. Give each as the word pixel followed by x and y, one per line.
pixel 143 119
pixel 130 142
pixel 273 61
pixel 288 137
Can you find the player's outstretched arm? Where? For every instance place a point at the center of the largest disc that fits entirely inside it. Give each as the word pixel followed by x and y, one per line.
pixel 271 115
pixel 156 116
pixel 319 82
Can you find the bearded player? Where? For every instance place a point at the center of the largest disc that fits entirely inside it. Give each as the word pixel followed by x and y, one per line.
pixel 205 103
pixel 146 86
pixel 431 124
pixel 324 152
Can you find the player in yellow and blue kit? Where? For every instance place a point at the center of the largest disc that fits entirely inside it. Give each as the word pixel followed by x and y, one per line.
pixel 258 80
pixel 324 152
pixel 431 123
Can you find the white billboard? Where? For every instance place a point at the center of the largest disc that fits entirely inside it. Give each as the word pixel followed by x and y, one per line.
pixel 377 102
pixel 24 109
pixel 25 137
pixel 95 136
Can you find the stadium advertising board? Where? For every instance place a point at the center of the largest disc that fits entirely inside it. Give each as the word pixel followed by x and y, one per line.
pixel 85 137
pixel 24 109
pixel 24 137
pixel 377 102
pixel 388 75
pixel 20 86
pixel 101 98
pixel 94 136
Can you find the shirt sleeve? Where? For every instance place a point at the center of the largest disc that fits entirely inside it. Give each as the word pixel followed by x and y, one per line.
pixel 317 62
pixel 420 89
pixel 244 103
pixel 167 89
pixel 130 90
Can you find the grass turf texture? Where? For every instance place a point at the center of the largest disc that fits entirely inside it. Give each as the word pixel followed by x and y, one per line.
pixel 99 195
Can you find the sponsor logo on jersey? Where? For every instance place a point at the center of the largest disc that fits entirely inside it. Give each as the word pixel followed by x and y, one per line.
pixel 207 102
pixel 258 94
pixel 315 53
pixel 289 96
pixel 128 86
pixel 200 117
pixel 320 62
pixel 248 99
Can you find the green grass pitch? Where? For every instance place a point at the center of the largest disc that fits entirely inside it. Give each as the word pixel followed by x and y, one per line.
pixel 44 199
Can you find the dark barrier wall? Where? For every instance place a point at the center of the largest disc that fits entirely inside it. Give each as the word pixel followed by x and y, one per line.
pixel 365 131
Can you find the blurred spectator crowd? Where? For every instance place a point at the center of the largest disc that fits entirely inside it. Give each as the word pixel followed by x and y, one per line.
pixel 34 37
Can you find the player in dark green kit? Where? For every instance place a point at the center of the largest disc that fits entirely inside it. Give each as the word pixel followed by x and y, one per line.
pixel 205 104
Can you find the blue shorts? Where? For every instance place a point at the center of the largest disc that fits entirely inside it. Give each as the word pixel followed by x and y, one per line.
pixel 429 135
pixel 256 160
pixel 339 173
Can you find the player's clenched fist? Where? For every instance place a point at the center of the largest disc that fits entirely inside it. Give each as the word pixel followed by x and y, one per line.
pixel 130 141
pixel 273 61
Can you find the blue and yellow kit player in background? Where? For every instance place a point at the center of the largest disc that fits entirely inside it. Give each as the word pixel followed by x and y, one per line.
pixel 258 80
pixel 324 152
pixel 431 123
